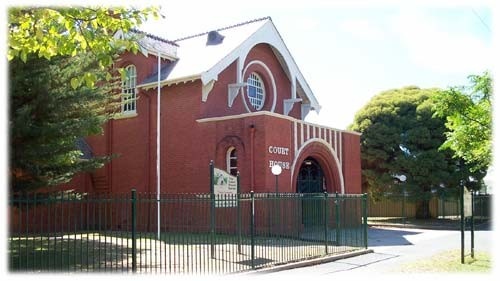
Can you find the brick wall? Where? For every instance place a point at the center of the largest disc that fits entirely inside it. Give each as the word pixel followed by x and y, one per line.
pixel 187 145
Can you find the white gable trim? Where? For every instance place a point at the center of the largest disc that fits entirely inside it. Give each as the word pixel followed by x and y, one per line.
pixel 266 34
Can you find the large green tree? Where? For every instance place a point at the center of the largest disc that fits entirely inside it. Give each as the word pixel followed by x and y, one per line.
pixel 61 86
pixel 48 117
pixel 467 110
pixel 401 136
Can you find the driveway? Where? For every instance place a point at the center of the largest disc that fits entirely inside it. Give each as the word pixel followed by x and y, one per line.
pixel 394 247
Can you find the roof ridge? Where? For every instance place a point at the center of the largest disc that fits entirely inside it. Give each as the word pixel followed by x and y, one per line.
pixel 223 28
pixel 155 37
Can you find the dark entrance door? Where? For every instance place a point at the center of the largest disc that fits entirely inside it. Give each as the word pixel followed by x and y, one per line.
pixel 310 181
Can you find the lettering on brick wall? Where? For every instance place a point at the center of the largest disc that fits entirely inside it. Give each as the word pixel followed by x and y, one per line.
pixel 279 150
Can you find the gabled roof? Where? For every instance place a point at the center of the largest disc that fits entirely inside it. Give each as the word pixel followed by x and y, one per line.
pixel 151 44
pixel 197 60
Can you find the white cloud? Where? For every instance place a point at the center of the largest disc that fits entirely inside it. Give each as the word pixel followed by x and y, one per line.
pixel 431 45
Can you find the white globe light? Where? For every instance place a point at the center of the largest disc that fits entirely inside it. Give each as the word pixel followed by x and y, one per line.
pixel 276 170
pixel 401 177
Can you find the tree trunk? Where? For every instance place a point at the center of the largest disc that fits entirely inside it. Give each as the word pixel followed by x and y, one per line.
pixel 423 211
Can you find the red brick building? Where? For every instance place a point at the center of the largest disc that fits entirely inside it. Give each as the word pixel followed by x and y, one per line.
pixel 234 96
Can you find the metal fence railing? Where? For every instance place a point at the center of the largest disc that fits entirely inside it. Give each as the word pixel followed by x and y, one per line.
pixel 400 208
pixel 196 233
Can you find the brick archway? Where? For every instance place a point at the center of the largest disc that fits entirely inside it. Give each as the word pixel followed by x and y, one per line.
pixel 323 155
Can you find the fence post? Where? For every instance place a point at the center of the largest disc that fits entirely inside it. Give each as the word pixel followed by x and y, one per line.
pixel 337 219
pixel 134 230
pixel 403 209
pixel 252 229
pixel 238 201
pixel 212 211
pixel 441 196
pixel 462 226
pixel 472 225
pixel 365 219
pixel 326 221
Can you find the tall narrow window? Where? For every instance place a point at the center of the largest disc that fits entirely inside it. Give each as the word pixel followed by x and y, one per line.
pixel 129 96
pixel 255 91
pixel 232 161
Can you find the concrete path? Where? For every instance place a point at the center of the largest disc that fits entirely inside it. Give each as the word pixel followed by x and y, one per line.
pixel 394 247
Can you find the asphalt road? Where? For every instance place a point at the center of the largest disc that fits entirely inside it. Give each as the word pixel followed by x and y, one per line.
pixel 394 247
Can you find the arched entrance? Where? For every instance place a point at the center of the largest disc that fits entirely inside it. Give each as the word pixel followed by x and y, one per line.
pixel 311 182
pixel 311 178
pixel 317 154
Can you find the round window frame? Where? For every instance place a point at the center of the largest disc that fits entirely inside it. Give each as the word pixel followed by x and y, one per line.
pixel 262 86
pixel 271 87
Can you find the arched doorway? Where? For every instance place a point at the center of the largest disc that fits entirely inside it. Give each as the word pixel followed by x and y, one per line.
pixel 311 178
pixel 311 182
pixel 317 154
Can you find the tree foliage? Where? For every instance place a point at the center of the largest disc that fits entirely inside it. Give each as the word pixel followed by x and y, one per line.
pixel 47 117
pixel 468 114
pixel 62 86
pixel 401 136
pixel 49 32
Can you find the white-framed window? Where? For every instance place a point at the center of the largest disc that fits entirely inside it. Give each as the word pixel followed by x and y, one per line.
pixel 232 161
pixel 129 91
pixel 255 91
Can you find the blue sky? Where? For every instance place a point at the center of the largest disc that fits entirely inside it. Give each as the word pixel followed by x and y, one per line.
pixel 349 51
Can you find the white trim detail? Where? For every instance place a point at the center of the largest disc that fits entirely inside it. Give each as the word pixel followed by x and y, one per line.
pixel 295 144
pixel 206 89
pixel 293 94
pixel 330 140
pixel 232 92
pixel 301 133
pixel 276 115
pixel 336 142
pixel 288 105
pixel 332 152
pixel 304 110
pixel 120 115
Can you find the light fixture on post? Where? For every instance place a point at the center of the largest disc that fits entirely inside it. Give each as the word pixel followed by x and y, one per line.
pixel 402 179
pixel 276 170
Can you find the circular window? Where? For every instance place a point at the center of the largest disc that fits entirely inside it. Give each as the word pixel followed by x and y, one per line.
pixel 255 91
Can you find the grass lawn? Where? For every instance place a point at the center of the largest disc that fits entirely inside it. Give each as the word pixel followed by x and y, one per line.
pixel 174 252
pixel 449 262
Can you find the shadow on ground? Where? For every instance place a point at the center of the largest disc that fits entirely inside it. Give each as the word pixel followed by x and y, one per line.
pixel 389 237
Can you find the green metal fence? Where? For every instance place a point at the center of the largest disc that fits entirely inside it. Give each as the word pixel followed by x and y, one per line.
pixel 401 208
pixel 196 234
